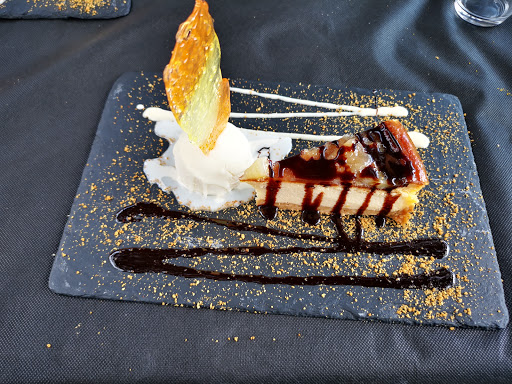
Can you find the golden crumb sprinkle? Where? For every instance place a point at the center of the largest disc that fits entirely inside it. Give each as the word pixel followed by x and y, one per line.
pixel 89 7
pixel 85 6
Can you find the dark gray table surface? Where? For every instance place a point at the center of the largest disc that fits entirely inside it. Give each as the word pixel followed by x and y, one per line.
pixel 54 79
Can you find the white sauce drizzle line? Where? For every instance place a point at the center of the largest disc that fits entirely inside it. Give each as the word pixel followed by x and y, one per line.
pixel 298 136
pixel 159 114
pixel 419 139
pixel 239 115
pixel 396 111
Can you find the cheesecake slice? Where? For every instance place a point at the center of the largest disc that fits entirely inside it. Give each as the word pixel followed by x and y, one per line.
pixel 375 172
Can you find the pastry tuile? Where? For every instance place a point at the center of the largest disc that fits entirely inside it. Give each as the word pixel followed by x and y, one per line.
pixel 198 95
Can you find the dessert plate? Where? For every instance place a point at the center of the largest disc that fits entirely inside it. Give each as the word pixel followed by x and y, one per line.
pixel 64 9
pixel 347 285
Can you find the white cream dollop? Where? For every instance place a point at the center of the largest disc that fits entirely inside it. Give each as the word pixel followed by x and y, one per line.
pixel 218 172
pixel 209 182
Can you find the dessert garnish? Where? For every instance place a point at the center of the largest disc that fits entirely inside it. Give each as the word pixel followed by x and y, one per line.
pixel 197 93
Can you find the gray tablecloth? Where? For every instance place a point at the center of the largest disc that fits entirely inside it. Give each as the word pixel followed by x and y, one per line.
pixel 54 79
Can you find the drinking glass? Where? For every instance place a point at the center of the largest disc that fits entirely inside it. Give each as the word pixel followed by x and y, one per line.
pixel 484 13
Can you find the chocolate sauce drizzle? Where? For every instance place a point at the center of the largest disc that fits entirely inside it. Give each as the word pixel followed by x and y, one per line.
pixel 269 210
pixel 397 167
pixel 141 260
pixel 310 214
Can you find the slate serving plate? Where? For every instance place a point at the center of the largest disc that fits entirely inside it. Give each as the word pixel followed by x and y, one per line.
pixel 64 9
pixel 451 207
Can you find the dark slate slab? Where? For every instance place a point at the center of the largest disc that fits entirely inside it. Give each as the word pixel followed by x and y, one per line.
pixel 451 207
pixel 64 9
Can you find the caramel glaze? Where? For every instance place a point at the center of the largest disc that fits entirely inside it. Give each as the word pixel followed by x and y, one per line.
pixel 396 166
pixel 141 260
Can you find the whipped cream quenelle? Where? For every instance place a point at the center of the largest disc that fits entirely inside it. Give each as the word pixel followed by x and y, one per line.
pixel 217 173
pixel 208 182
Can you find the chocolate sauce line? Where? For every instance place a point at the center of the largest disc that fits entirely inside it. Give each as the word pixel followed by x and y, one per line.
pixel 440 278
pixel 359 228
pixel 341 200
pixel 342 243
pixel 389 201
pixel 310 214
pixel 366 202
pixel 136 212
pixel 269 210
pixel 146 254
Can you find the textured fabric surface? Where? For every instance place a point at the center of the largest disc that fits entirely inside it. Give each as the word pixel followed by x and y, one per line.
pixel 54 78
